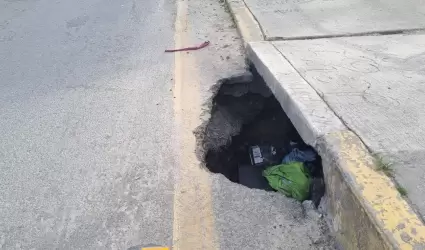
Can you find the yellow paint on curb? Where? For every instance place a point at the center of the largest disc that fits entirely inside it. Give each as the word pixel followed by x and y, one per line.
pixel 193 222
pixel 399 225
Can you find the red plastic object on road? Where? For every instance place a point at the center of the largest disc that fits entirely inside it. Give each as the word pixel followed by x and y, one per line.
pixel 203 45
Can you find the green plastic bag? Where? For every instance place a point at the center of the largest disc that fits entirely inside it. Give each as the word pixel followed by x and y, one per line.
pixel 291 179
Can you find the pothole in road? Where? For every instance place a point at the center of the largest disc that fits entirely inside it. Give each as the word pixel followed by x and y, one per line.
pixel 249 132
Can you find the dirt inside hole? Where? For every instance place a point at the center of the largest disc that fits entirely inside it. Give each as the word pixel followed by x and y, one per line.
pixel 246 118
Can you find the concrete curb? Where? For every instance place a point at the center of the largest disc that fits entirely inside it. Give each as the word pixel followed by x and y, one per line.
pixel 247 26
pixel 365 208
pixel 297 97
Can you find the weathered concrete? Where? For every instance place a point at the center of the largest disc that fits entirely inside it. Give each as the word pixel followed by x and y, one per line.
pixel 290 19
pixel 372 85
pixel 309 114
pixel 265 220
pixel 367 211
pixel 89 150
pixel 248 27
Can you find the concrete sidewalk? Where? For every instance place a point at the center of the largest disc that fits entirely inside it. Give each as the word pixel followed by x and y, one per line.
pixel 294 19
pixel 352 95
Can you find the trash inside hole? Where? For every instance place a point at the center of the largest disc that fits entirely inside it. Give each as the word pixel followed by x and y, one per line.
pixel 250 140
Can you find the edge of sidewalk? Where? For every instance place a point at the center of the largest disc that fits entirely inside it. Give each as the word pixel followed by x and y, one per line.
pixel 366 210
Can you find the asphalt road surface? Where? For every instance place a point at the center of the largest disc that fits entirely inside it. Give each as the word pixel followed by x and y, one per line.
pixel 90 143
pixel 85 123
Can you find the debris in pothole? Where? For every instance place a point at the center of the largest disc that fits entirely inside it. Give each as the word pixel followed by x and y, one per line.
pixel 291 179
pixel 296 154
pixel 252 177
pixel 263 155
pixel 249 137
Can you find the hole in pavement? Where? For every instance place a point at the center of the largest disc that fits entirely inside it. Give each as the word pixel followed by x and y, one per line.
pixel 249 132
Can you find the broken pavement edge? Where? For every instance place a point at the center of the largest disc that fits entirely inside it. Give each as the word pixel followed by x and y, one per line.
pixel 366 210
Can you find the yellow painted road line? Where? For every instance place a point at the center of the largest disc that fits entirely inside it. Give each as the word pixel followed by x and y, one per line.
pixel 193 223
